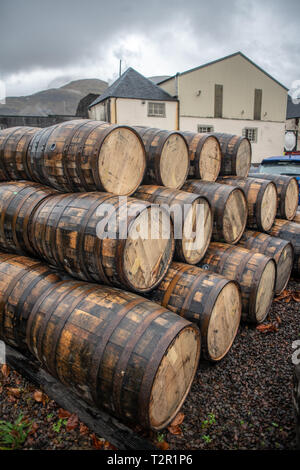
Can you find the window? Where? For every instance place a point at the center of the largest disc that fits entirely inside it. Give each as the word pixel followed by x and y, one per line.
pixel 203 129
pixel 257 104
pixel 250 133
pixel 157 109
pixel 218 101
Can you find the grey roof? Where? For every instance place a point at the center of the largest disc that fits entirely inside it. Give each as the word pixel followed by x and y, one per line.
pixel 134 85
pixel 228 57
pixel 159 78
pixel 292 110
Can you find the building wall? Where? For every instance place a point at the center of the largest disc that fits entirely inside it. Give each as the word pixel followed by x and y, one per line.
pixel 34 121
pixel 134 112
pixel 239 78
pixel 270 135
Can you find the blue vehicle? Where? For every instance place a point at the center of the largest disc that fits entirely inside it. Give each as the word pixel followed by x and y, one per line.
pixel 284 165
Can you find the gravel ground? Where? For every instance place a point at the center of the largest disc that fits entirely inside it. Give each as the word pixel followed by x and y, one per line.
pixel 243 402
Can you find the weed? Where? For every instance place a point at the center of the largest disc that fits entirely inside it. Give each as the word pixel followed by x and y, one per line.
pixel 13 435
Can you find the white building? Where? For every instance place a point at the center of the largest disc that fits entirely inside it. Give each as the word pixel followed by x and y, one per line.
pixel 136 101
pixel 233 95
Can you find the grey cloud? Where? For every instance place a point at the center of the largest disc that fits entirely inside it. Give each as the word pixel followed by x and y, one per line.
pixel 63 33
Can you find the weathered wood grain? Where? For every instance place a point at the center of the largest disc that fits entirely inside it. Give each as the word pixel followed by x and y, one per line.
pixel 229 208
pixel 236 154
pixel 255 273
pixel 129 356
pixel 86 155
pixel 207 299
pixel 205 155
pixel 261 199
pixel 289 231
pixel 192 219
pixel 280 250
pixel 167 157
pixel 85 234
pixel 14 143
pixel 287 191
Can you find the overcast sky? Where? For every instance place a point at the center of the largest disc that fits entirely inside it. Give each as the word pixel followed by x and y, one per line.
pixel 46 43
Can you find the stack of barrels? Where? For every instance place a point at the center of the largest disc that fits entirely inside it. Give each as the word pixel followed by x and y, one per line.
pixel 127 251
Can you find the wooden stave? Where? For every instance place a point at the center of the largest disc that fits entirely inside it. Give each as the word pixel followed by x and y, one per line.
pixel 57 304
pixel 174 285
pixel 290 231
pixel 165 196
pixel 76 144
pixel 210 190
pixel 195 143
pixel 18 200
pixel 254 220
pixel 296 219
pixel 153 153
pixel 14 143
pixel 104 260
pixel 229 146
pixel 22 281
pixel 214 261
pixel 269 246
pixel 282 182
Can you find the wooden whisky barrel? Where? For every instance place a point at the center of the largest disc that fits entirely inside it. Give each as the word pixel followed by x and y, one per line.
pixel 229 208
pixel 18 200
pixel 289 231
pixel 261 199
pixel 192 219
pixel 205 155
pixel 236 154
pixel 22 281
pixel 86 234
pixel 280 250
pixel 167 157
pixel 207 299
pixel 287 191
pixel 129 356
pixel 255 273
pixel 14 143
pixel 85 155
pixel 296 219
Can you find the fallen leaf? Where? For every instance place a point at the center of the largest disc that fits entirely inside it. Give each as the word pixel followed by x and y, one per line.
pixel 97 443
pixel 40 397
pixel 33 429
pixel 72 422
pixel 176 430
pixel 63 414
pixel 178 419
pixel 266 328
pixel 15 392
pixel 162 445
pixel 109 446
pixel 296 296
pixel 279 321
pixel 5 370
pixel 83 429
pixel 285 295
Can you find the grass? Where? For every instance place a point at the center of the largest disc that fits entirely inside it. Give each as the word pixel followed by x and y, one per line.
pixel 13 435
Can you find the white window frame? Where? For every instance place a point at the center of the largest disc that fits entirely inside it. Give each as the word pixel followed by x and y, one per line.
pixel 200 128
pixel 251 134
pixel 157 105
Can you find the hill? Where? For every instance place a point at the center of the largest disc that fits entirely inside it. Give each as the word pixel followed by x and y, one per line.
pixel 63 100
